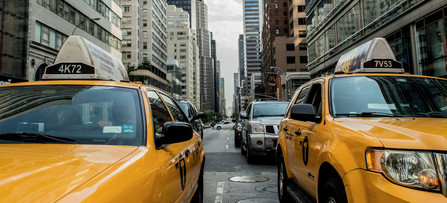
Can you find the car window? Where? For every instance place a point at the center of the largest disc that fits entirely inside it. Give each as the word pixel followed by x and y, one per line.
pixel 302 95
pixel 314 98
pixel 176 112
pixel 160 113
pixel 269 109
pixel 186 109
pixel 86 114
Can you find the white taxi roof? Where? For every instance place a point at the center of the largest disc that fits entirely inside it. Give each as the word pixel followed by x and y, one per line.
pixel 79 58
pixel 374 56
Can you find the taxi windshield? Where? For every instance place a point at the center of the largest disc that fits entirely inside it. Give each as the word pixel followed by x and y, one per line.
pixel 388 96
pixel 99 115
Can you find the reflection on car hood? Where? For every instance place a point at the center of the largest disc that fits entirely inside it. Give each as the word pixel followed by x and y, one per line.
pixel 402 133
pixel 269 120
pixel 47 172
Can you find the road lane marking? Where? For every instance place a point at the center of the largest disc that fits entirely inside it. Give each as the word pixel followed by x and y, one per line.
pixel 226 146
pixel 219 190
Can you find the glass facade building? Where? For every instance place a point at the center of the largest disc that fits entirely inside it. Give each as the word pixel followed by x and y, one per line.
pixel 13 40
pixel 415 29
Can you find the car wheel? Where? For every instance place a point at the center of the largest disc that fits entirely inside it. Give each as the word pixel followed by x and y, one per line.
pixel 198 195
pixel 248 155
pixel 242 148
pixel 283 182
pixel 333 191
pixel 218 127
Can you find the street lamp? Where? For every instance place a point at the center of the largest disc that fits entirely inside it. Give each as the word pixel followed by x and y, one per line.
pixel 82 22
pixel 279 81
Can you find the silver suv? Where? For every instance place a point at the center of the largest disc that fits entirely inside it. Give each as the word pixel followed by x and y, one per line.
pixel 260 128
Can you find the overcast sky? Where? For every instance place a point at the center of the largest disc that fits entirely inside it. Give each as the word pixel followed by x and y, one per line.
pixel 225 21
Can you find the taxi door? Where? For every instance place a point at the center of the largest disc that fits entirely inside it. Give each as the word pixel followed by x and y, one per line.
pixel 173 158
pixel 190 155
pixel 291 138
pixel 305 142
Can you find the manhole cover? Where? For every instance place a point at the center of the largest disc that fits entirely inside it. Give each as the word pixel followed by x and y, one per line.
pixel 257 200
pixel 248 179
pixel 267 188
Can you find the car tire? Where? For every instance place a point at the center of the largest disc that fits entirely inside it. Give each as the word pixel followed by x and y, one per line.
pixel 198 195
pixel 283 182
pixel 333 191
pixel 248 155
pixel 242 148
pixel 218 127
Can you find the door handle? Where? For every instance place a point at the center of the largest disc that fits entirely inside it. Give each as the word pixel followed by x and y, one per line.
pixel 187 153
pixel 285 129
pixel 298 132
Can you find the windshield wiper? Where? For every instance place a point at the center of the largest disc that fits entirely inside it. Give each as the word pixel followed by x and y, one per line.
pixel 35 137
pixel 434 114
pixel 370 114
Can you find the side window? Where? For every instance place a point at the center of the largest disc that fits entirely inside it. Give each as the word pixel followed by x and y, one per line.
pixel 302 95
pixel 177 113
pixel 159 112
pixel 314 98
pixel 248 110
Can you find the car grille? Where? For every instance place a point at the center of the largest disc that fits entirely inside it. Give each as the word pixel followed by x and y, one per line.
pixel 271 129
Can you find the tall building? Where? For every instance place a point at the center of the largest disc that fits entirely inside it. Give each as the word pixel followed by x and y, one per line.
pixel 242 73
pixel 188 6
pixel 144 28
pixel 222 110
pixel 415 30
pixel 181 47
pixel 216 75
pixel 175 76
pixel 207 82
pixel 253 15
pixel 32 32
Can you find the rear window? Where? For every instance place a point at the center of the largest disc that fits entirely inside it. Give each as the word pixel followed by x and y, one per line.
pixel 269 109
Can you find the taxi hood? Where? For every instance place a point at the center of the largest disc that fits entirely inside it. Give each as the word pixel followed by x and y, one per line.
pixel 36 172
pixel 402 133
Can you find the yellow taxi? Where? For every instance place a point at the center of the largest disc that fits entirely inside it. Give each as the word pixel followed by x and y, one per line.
pixel 81 135
pixel 367 133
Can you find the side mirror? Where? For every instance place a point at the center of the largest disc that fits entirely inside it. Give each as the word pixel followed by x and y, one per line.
pixel 244 115
pixel 303 112
pixel 199 115
pixel 173 132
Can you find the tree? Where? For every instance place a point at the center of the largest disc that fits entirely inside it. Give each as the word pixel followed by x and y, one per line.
pixel 234 115
pixel 146 65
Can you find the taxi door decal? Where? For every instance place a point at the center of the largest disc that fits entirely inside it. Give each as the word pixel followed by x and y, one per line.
pixel 305 145
pixel 182 166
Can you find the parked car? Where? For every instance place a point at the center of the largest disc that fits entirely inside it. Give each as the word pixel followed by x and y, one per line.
pixel 367 133
pixel 83 134
pixel 224 125
pixel 193 115
pixel 260 128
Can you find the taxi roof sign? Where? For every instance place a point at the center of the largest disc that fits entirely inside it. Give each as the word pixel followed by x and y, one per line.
pixel 79 58
pixel 373 56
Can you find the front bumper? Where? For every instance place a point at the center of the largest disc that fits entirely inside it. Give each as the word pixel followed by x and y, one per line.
pixel 366 186
pixel 263 143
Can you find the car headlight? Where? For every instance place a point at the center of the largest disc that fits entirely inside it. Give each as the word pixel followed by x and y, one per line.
pixel 408 168
pixel 256 128
pixel 238 128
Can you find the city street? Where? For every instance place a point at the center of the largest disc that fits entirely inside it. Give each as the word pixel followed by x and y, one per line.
pixel 229 178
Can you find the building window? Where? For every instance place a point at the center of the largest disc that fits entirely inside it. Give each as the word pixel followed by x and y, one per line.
pixel 303 46
pixel 276 22
pixel 144 34
pixel 301 8
pixel 302 33
pixel 277 31
pixel 290 47
pixel 127 31
pixel 303 59
pixel 126 8
pixel 144 56
pixel 144 45
pixel 291 60
pixel 301 21
pixel 144 23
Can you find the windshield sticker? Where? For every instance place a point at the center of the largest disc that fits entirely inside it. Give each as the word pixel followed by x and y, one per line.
pixel 382 106
pixel 128 128
pixel 112 129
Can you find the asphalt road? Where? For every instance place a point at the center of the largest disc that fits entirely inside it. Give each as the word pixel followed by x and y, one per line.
pixel 229 178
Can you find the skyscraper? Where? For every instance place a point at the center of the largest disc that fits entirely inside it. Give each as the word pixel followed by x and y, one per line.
pixel 253 15
pixel 190 7
pixel 207 88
